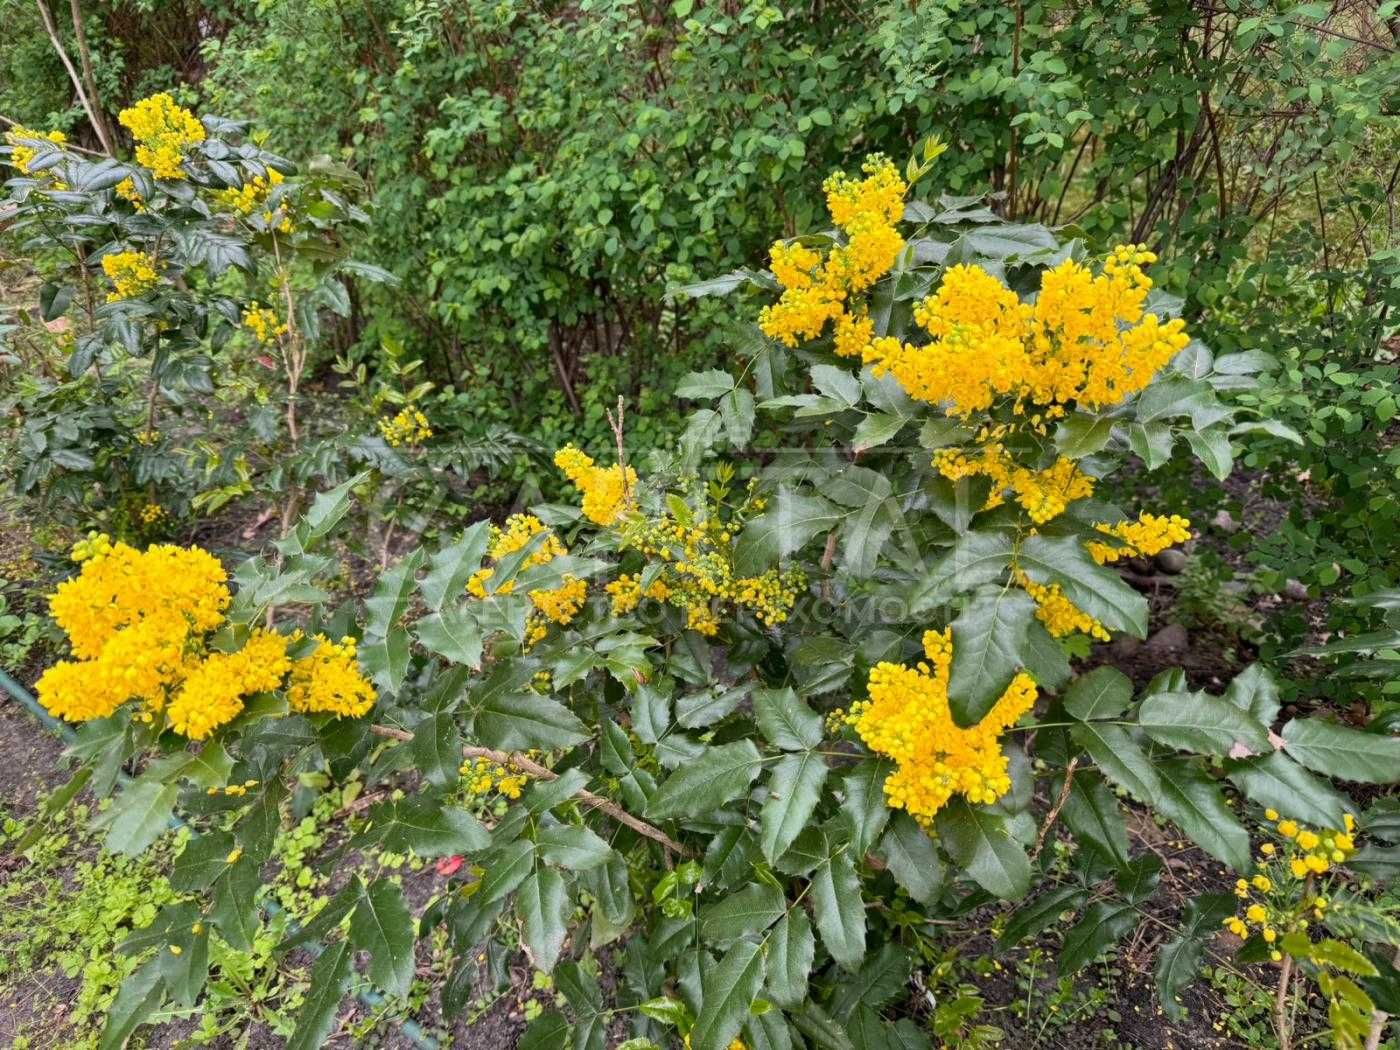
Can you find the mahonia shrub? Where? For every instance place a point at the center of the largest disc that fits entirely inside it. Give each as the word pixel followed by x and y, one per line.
pixel 185 283
pixel 753 711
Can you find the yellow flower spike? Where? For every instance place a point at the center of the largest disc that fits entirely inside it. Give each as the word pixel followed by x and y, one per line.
pixel 1270 935
pixel 163 131
pixel 132 274
pixel 1256 913
pixel 607 491
pixel 1298 868
pixel 1262 883
pixel 1267 849
pixel 1288 828
pixel 1307 840
pixel 908 719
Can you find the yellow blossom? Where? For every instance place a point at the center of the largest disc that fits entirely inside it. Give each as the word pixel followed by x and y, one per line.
pixel 163 131
pixel 131 274
pixel 408 427
pixel 907 718
pixel 329 681
pixel 264 323
pixel 606 490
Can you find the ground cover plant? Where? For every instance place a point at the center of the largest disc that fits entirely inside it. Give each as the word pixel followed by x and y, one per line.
pixel 915 630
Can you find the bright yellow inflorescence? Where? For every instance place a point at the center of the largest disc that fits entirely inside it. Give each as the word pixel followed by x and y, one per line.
pixel 328 681
pixel 481 776
pixel 264 323
pixel 252 196
pixel 408 427
pixel 558 605
pixel 1283 894
pixel 163 131
pixel 213 692
pixel 131 274
pixel 127 191
pixel 907 718
pixel 1044 494
pixel 21 156
pixel 699 576
pixel 1085 341
pixel 138 623
pixel 1060 616
pixel 626 592
pixel 816 290
pixel 606 490
pixel 1150 534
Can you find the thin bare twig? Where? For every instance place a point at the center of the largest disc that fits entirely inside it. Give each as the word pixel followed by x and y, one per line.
pixel 1054 813
pixel 89 107
pixel 530 766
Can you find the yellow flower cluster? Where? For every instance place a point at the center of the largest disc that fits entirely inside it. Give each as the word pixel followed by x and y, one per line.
pixel 1285 879
pixel 1150 534
pixel 138 624
pixel 907 718
pixel 558 605
pixel 626 592
pixel 127 191
pixel 1044 494
pixel 252 196
pixel 21 156
pixel 131 274
pixel 482 775
pixel 816 290
pixel 163 132
pixel 267 327
pixel 1060 616
pixel 128 615
pixel 699 576
pixel 409 427
pixel 607 491
pixel 1085 340
pixel 213 691
pixel 328 681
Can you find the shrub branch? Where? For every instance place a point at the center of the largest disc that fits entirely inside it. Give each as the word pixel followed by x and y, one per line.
pixel 539 772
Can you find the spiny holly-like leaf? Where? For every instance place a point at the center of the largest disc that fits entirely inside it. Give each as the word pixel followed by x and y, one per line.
pixel 794 789
pixel 1277 782
pixel 1337 751
pixel 1180 959
pixel 543 904
pixel 701 786
pixel 1191 800
pixel 1091 587
pixel 791 949
pixel 330 980
pixel 785 721
pixel 451 567
pixel 1103 925
pixel 727 990
pixel 838 908
pixel 138 816
pixel 979 840
pixel 1119 758
pixel 912 859
pixel 1104 692
pixel 1201 723
pixel 751 910
pixel 382 926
